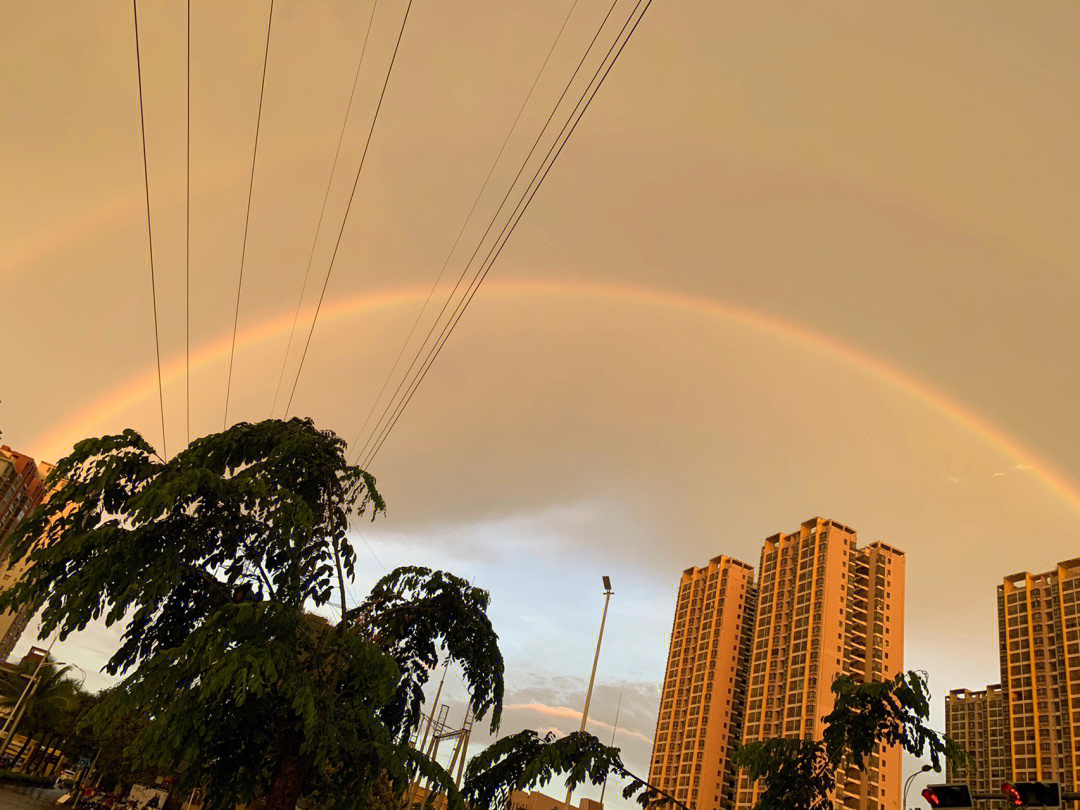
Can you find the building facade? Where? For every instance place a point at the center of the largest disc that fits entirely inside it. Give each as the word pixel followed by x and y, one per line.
pixel 979 722
pixel 704 692
pixel 1039 648
pixel 22 487
pixel 535 800
pixel 825 608
pixel 1032 720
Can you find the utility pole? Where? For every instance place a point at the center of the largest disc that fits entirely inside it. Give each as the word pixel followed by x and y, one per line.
pixel 434 706
pixel 592 678
pixel 427 730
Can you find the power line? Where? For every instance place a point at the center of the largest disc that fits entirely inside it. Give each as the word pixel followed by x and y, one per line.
pixel 523 204
pixel 494 217
pixel 464 225
pixel 149 229
pixel 187 243
pixel 378 437
pixel 369 548
pixel 322 211
pixel 247 214
pixel 348 206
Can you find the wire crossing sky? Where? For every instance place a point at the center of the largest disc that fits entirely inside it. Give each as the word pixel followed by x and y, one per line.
pixel 793 261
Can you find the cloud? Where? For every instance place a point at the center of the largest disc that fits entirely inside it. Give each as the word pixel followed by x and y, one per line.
pixel 574 714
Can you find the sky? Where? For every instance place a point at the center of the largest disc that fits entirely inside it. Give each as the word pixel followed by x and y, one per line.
pixel 798 259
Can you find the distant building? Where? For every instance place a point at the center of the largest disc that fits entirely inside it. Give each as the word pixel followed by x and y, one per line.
pixel 1035 736
pixel 704 694
pixel 418 798
pixel 34 655
pixel 534 800
pixel 979 722
pixel 825 608
pixel 22 488
pixel 1039 648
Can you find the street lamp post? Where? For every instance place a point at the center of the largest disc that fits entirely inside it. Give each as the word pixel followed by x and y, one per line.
pixel 907 784
pixel 596 659
pixel 82 681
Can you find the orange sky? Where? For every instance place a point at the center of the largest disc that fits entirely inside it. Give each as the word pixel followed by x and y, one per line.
pixel 798 259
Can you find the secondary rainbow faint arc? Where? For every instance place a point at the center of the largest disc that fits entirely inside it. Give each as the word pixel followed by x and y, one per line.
pixel 125 396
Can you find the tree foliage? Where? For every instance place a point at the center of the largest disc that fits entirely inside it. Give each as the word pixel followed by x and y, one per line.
pixel 104 740
pixel 51 710
pixel 407 613
pixel 54 703
pixel 801 774
pixel 526 760
pixel 214 559
pixel 127 534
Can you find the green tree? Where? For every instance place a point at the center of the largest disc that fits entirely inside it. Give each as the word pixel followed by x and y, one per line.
pixel 526 759
pixel 801 774
pixel 382 795
pixel 105 741
pixel 214 560
pixel 50 710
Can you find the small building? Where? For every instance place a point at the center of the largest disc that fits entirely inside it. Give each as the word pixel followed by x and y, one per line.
pixel 535 800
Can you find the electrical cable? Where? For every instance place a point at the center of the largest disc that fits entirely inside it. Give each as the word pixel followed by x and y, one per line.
pixel 487 230
pixel 247 214
pixel 464 225
pixel 495 216
pixel 149 230
pixel 322 211
pixel 511 222
pixel 374 556
pixel 187 243
pixel 519 211
pixel 348 206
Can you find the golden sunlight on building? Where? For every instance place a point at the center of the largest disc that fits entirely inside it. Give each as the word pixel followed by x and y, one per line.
pixel 1033 732
pixel 704 694
pixel 979 722
pixel 22 487
pixel 749 661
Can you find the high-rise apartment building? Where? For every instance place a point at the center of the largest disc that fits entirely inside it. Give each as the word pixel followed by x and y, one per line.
pixel 1039 648
pixel 22 487
pixel 979 722
pixel 704 692
pixel 1034 734
pixel 825 608
pixel 749 662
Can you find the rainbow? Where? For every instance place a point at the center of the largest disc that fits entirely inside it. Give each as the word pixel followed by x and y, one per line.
pixel 87 421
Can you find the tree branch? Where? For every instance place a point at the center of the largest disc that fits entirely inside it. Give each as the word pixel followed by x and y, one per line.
pixel 665 794
pixel 266 580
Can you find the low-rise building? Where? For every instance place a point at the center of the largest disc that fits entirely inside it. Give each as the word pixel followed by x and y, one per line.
pixel 535 800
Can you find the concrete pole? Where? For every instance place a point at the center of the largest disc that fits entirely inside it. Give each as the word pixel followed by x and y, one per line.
pixel 592 678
